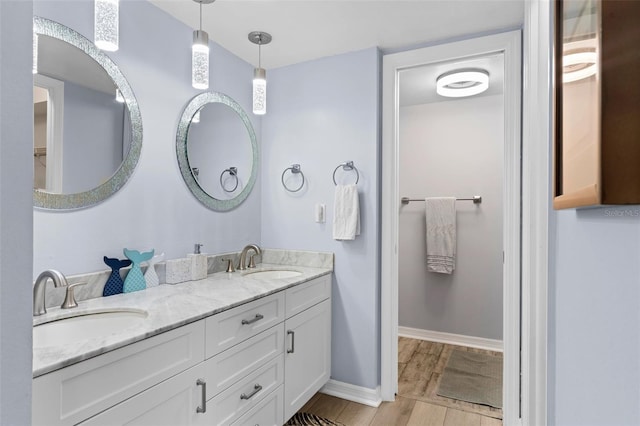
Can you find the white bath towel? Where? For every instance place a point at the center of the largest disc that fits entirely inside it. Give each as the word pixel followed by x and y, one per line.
pixel 441 234
pixel 346 213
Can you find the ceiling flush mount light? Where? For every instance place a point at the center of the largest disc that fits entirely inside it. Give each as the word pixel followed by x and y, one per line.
pixel 577 65
pixel 200 54
pixel 105 27
pixel 259 74
pixel 461 83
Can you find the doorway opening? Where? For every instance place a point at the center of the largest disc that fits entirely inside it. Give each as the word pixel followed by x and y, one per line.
pixel 491 229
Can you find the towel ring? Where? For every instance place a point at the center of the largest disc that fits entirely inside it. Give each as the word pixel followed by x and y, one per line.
pixel 233 171
pixel 295 169
pixel 348 166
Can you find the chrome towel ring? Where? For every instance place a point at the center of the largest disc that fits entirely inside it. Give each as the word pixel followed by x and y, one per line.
pixel 295 169
pixel 233 172
pixel 347 166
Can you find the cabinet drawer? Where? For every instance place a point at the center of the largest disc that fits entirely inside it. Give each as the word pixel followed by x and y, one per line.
pixel 170 403
pixel 235 363
pixel 235 325
pixel 305 295
pixel 230 404
pixel 77 392
pixel 267 412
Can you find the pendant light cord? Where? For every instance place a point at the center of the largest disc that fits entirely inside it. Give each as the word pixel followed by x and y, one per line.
pixel 200 16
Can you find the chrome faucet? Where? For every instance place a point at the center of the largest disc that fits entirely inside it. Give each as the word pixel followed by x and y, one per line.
pixel 242 264
pixel 59 280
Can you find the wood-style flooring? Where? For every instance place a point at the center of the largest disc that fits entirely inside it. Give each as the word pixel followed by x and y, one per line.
pixel 420 366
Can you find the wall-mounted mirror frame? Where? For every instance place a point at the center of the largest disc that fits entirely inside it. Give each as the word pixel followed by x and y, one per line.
pixel 183 158
pixel 47 200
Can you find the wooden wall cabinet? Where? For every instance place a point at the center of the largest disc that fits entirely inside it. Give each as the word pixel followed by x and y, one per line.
pixel 597 103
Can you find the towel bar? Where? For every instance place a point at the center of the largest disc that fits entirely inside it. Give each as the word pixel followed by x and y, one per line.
pixel 477 199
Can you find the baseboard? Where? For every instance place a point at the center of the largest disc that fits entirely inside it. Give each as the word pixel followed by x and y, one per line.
pixel 361 395
pixel 451 339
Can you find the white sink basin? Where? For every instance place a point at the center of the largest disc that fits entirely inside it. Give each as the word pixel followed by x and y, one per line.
pixel 273 274
pixel 83 327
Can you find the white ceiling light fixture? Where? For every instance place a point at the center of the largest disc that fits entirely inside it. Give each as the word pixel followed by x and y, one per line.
pixel 200 54
pixel 579 65
pixel 259 74
pixel 106 15
pixel 462 83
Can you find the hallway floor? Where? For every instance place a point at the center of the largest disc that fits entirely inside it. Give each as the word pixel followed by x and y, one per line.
pixel 420 365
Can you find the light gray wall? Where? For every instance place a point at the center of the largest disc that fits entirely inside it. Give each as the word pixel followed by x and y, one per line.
pixel 16 183
pixel 595 294
pixel 320 114
pixel 154 209
pixel 92 140
pixel 453 148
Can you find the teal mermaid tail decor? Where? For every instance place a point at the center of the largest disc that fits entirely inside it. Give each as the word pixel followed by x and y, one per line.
pixel 135 279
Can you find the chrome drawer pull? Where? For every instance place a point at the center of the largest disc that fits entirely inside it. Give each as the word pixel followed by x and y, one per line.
pixel 256 388
pixel 258 317
pixel 202 383
pixel 293 341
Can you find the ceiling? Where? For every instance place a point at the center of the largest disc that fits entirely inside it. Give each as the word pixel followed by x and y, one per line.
pixel 303 30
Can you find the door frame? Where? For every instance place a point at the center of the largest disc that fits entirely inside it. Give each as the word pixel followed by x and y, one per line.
pixel 509 44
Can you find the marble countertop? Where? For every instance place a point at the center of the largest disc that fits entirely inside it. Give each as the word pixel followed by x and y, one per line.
pixel 167 306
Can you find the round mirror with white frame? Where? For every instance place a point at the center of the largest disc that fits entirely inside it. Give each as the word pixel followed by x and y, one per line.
pixel 87 123
pixel 217 151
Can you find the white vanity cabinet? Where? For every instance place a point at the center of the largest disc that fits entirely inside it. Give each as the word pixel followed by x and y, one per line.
pixel 257 363
pixel 73 394
pixel 308 348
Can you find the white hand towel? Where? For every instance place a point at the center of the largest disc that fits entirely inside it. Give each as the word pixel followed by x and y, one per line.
pixel 441 234
pixel 346 213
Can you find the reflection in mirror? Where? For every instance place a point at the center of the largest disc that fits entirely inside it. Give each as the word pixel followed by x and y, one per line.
pixel 219 146
pixel 87 127
pixel 217 151
pixel 580 104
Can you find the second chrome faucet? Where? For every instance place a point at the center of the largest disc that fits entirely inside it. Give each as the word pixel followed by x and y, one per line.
pixel 242 263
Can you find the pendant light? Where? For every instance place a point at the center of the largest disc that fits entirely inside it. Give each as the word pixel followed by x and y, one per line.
pixel 35 53
pixel 200 54
pixel 105 26
pixel 259 74
pixel 119 97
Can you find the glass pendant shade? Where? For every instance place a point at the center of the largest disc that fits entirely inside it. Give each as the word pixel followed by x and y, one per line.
pixel 259 91
pixel 35 53
pixel 106 17
pixel 200 60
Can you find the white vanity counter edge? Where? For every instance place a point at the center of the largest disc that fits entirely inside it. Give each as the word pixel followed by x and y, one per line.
pixel 168 307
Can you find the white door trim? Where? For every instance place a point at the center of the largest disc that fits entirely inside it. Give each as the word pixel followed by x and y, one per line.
pixel 536 183
pixel 510 45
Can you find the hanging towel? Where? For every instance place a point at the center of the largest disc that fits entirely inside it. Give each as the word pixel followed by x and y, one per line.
pixel 346 213
pixel 441 234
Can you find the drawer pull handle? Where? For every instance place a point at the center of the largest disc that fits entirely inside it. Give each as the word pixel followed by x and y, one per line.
pixel 202 383
pixel 258 317
pixel 293 341
pixel 256 388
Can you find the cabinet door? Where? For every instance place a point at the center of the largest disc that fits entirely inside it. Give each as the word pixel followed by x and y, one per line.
pixel 308 355
pixel 170 403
